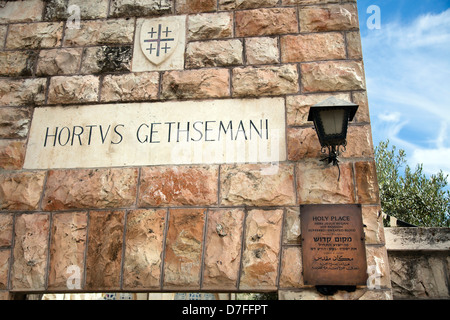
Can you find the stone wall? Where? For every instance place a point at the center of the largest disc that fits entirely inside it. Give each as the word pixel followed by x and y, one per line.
pixel 419 260
pixel 219 227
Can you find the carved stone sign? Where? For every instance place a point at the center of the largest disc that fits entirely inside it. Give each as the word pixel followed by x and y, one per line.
pixel 175 132
pixel 333 248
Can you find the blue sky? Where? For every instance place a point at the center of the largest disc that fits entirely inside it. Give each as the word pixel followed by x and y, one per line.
pixel 407 66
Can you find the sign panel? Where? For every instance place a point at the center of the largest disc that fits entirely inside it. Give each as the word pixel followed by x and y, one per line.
pixel 333 248
pixel 160 133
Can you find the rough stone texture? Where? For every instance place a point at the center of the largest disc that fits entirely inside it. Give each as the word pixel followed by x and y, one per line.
pixel 262 50
pixel 257 185
pixel 312 47
pixel 16 11
pixel 305 294
pixel 210 25
pixel 359 142
pixel 21 190
pixel 100 32
pixel 3 30
pixel 34 35
pixel 106 59
pixel 261 22
pixel 264 81
pixel 291 229
pixel 196 84
pixel 303 143
pixel 4 267
pixel 318 183
pixel 58 9
pixel 366 182
pixel 328 18
pixel 30 251
pixel 373 221
pixel 143 249
pixel 297 107
pixel 245 4
pixel 104 254
pixel 354 45
pixel 360 98
pixel 291 268
pixel 12 154
pixel 261 249
pixel 90 188
pixel 67 248
pixel 59 61
pixel 195 6
pixel 73 89
pixel 14 122
pixel 184 248
pixel 176 186
pixel 6 229
pixel 378 267
pixel 22 92
pixel 130 87
pixel 223 248
pixel 17 63
pixel 332 76
pixel 215 53
pixel 139 8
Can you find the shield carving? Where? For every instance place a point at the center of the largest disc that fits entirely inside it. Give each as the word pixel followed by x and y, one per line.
pixel 158 40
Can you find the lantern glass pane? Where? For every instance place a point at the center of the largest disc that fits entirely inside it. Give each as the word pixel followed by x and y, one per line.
pixel 333 121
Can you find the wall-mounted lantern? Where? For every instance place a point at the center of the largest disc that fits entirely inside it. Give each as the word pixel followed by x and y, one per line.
pixel 331 118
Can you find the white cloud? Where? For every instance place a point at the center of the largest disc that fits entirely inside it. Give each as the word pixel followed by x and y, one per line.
pixel 408 82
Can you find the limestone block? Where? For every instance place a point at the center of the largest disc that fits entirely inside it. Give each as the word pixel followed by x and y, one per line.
pixel 262 50
pixel 261 249
pixel 373 225
pixel 22 92
pixel 318 183
pixel 30 252
pixel 257 185
pixel 360 98
pixel 292 227
pixel 67 249
pixel 303 143
pixel 195 6
pixel 328 17
pixel 4 267
pixel 21 190
pixel 297 107
pixel 378 267
pixel 143 248
pixel 178 186
pixel 12 154
pixel 59 9
pixel 332 76
pixel 261 22
pixel 14 122
pixel 104 253
pixel 184 248
pixel 354 45
pixel 265 81
pixel 59 61
pixel 245 4
pixel 34 35
pixel 312 47
pixel 90 188
pixel 215 53
pixel 17 63
pixel 100 32
pixel 196 84
pixel 366 182
pixel 106 59
pixel 139 8
pixel 136 86
pixel 291 268
pixel 6 229
pixel 21 11
pixel 73 89
pixel 223 248
pixel 210 25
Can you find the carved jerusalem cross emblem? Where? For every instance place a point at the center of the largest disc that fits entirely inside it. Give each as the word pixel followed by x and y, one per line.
pixel 158 40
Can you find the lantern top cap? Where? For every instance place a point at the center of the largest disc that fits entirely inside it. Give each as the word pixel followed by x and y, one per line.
pixel 334 102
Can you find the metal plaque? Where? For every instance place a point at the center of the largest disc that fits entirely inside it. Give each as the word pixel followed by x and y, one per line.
pixel 333 248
